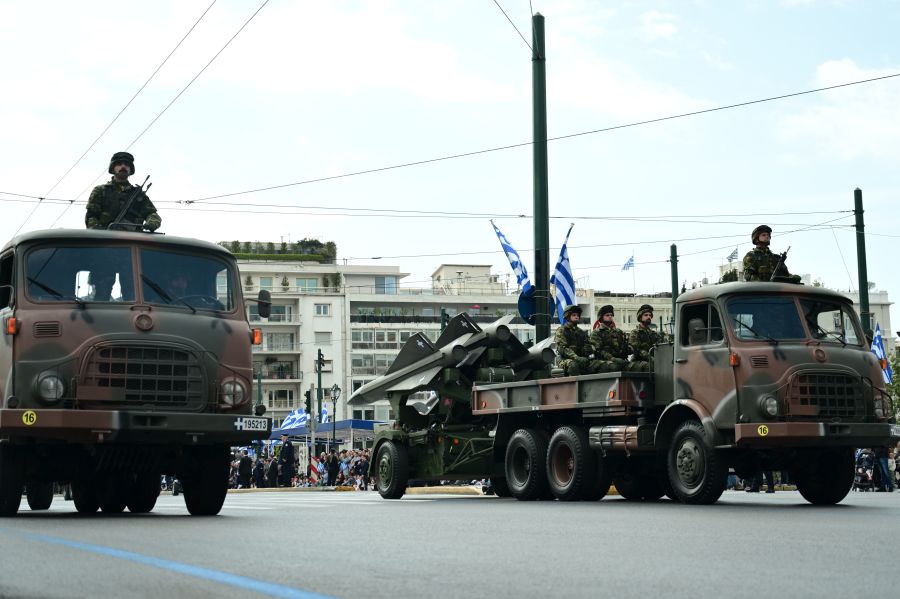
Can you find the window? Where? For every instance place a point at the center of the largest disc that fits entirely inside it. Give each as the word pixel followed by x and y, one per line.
pixel 180 280
pixel 280 314
pixel 405 335
pixel 307 285
pixel 323 337
pixel 386 285
pixel 362 339
pixel 265 283
pixel 323 309
pixel 6 280
pixel 700 325
pixel 427 311
pixel 61 274
pixel 281 398
pixel 383 362
pixel 278 342
pixel 830 321
pixel 362 364
pixel 386 340
pixel 365 311
pixel 365 414
pixel 765 318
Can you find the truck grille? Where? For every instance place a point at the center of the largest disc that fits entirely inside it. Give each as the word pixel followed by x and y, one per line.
pixel 826 396
pixel 163 377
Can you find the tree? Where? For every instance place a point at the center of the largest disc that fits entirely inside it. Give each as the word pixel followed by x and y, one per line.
pixel 284 247
pixel 729 276
pixel 270 247
pixel 246 247
pixel 336 281
pixel 235 246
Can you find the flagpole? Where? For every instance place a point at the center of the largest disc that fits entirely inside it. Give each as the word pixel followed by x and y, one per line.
pixel 633 268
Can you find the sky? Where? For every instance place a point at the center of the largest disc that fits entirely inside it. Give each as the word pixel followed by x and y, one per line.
pixel 313 92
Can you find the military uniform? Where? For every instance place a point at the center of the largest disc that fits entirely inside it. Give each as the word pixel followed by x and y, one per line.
pixel 761 263
pixel 108 200
pixel 573 346
pixel 643 339
pixel 610 345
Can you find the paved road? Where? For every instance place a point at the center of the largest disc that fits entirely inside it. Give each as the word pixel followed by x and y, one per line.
pixel 357 545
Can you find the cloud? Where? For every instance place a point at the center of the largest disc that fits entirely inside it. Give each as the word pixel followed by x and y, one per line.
pixel 658 26
pixel 850 123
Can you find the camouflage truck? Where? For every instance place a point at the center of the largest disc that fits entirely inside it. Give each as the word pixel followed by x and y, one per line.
pixel 757 376
pixel 125 356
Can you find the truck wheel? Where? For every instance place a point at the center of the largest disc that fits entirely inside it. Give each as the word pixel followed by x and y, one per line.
pixel 205 488
pixel 500 487
pixel 827 477
pixel 39 495
pixel 112 493
pixel 571 464
pixel 144 492
pixel 697 472
pixel 638 487
pixel 526 458
pixel 12 481
pixel 84 496
pixel 602 479
pixel 393 470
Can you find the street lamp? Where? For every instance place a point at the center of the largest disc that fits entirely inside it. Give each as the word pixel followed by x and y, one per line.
pixel 335 395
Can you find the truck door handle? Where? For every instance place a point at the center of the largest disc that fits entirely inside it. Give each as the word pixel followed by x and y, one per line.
pixel 680 360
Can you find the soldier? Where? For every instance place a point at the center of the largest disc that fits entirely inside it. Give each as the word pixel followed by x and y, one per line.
pixel 610 343
pixel 108 200
pixel 643 339
pixel 572 344
pixel 760 263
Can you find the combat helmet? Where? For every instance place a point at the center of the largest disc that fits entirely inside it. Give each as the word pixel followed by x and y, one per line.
pixel 607 309
pixel 118 157
pixel 644 309
pixel 572 309
pixel 759 231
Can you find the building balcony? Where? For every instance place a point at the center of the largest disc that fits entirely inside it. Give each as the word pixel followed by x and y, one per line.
pixel 384 319
pixel 293 319
pixel 281 348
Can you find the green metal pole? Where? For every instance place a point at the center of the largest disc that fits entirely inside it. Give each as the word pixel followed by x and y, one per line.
pixel 259 387
pixel 319 359
pixel 861 260
pixel 541 188
pixel 673 262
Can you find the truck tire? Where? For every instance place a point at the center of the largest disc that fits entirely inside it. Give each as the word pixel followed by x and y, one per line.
pixel 143 494
pixel 500 487
pixel 206 486
pixel 39 495
pixel 112 493
pixel 525 465
pixel 602 479
pixel 393 470
pixel 84 496
pixel 12 480
pixel 826 478
pixel 697 473
pixel 638 487
pixel 571 464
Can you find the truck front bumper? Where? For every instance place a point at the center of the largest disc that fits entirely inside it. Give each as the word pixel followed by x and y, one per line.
pixel 827 434
pixel 131 426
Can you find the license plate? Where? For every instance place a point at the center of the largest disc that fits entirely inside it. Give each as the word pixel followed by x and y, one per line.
pixel 251 424
pixel 895 430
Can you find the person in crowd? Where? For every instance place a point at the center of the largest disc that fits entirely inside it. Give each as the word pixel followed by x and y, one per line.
pixel 245 469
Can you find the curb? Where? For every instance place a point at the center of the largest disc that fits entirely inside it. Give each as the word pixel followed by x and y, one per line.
pixel 443 491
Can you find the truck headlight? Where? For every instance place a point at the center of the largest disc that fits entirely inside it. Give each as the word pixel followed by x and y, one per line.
pixel 769 406
pixel 50 387
pixel 879 408
pixel 233 392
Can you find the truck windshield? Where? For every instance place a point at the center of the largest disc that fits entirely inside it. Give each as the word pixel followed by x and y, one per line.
pixel 200 282
pixel 830 321
pixel 765 317
pixel 80 274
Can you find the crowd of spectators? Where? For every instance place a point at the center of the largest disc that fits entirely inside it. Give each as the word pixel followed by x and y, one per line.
pixel 348 468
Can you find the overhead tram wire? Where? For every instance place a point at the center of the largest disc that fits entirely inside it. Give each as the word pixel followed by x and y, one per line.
pixel 556 138
pixel 184 89
pixel 514 26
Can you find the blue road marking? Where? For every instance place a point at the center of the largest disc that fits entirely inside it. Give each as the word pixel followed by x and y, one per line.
pixel 242 582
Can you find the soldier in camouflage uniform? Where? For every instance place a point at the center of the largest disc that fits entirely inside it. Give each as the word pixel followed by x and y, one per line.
pixel 572 344
pixel 107 200
pixel 643 339
pixel 610 343
pixel 760 263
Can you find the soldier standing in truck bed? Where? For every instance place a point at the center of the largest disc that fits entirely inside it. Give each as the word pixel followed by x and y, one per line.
pixel 572 344
pixel 760 263
pixel 609 342
pixel 108 200
pixel 642 339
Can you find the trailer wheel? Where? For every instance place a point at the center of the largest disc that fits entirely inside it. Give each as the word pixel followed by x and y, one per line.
pixel 112 493
pixel 526 458
pixel 143 494
pixel 12 481
pixel 697 473
pixel 571 464
pixel 39 495
pixel 84 495
pixel 393 470
pixel 206 486
pixel 826 478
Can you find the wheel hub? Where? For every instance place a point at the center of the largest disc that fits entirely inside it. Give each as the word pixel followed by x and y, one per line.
pixel 689 462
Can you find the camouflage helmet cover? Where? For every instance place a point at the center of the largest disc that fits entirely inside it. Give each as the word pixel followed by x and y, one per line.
pixel 118 157
pixel 572 309
pixel 644 309
pixel 607 309
pixel 759 231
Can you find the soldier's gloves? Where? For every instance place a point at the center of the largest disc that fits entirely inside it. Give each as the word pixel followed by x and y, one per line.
pixel 151 227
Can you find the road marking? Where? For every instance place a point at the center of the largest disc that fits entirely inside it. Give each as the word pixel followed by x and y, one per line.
pixel 251 584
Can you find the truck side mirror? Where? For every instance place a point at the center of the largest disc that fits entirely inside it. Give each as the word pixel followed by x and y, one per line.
pixel 265 303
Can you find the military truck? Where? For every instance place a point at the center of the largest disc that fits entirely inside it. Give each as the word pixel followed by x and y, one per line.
pixel 125 356
pixel 756 376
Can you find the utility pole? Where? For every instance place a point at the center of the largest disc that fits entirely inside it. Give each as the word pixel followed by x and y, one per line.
pixel 541 186
pixel 673 262
pixel 312 423
pixel 320 361
pixel 861 260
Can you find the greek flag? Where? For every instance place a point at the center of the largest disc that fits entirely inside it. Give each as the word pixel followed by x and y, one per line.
pixel 563 279
pixel 732 256
pixel 878 350
pixel 298 417
pixel 629 264
pixel 515 261
pixel 324 418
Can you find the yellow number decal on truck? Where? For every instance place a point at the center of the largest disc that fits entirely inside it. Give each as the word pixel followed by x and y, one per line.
pixel 29 417
pixel 763 430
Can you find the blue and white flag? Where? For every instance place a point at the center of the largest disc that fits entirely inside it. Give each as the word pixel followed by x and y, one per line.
pixel 515 261
pixel 289 420
pixel 563 279
pixel 878 350
pixel 629 264
pixel 732 256
pixel 324 418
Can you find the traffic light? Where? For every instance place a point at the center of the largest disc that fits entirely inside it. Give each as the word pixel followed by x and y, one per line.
pixel 320 360
pixel 445 319
pixel 308 402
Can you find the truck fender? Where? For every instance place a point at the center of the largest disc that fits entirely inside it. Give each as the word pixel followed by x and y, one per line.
pixel 678 412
